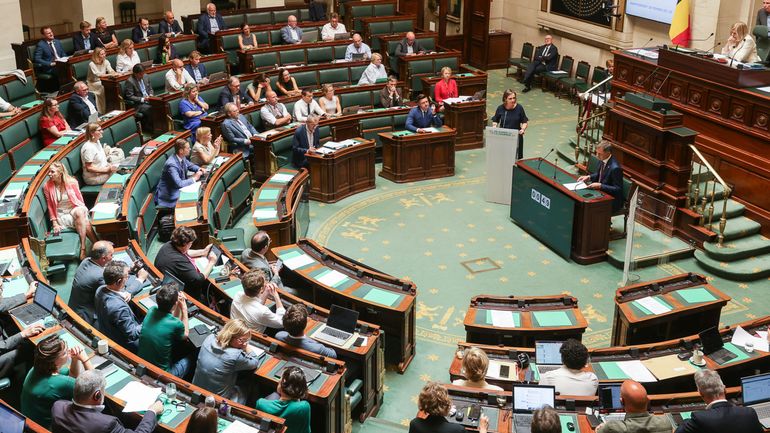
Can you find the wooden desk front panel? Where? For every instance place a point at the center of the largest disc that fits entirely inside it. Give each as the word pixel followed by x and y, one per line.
pixel 468 118
pixel 342 174
pixel 418 157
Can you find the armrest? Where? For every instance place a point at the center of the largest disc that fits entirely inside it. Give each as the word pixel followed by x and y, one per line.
pixel 53 239
pixel 354 387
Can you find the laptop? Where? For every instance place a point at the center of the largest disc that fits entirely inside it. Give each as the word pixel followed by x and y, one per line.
pixel 339 327
pixel 712 346
pixel 310 36
pixel 357 57
pixel 10 420
pixel 146 64
pixel 218 76
pixel 353 109
pixel 609 401
pixel 171 279
pixel 478 96
pixel 341 36
pixel 756 395
pixel 41 306
pixel 527 399
pixel 547 356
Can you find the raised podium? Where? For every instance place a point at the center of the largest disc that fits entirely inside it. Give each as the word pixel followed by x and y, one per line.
pixel 342 173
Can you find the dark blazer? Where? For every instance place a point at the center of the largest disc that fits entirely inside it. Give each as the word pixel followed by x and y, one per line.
pixel 762 17
pixel 551 61
pixel 69 418
pixel 173 179
pixel 88 277
pixel 387 102
pixel 416 119
pixel 300 145
pixel 133 93
pixel 136 33
pixel 204 28
pixel 722 417
pixel 169 259
pixel 234 134
pixel 225 97
pixel 612 181
pixel 78 42
pixel 401 48
pixel 201 68
pixel 78 111
pixel 163 27
pixel 116 320
pixel 434 424
pixel 43 56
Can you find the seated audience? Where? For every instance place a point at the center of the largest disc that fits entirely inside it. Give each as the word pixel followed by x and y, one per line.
pixel 255 258
pixel 85 40
pixel 306 107
pixel 247 40
pixel 82 105
pixel 66 208
pixel 291 33
pixel 196 69
pixel 329 103
pixel 285 84
pixel 166 51
pixel 105 36
pixel 259 87
pixel 475 366
pixel 291 406
pixel 332 28
pixel 127 57
pixel 164 329
pixel 740 46
pixel 175 175
pixel 305 139
pixel 720 415
pixel 205 149
pixel 409 46
pixel 249 305
pixel 232 93
pixel 222 357
pixel 99 160
pixel 274 113
pixel 434 402
pixel 609 177
pixel 570 379
pixel 203 420
pixel 177 77
pixel 193 108
pixel 546 420
pixel 114 317
pixel 209 23
pixel 49 380
pixel 177 258
pixel 637 419
pixel 445 88
pixel 99 67
pixel 422 116
pixel 83 414
pixel 237 130
pixel 169 26
pixel 511 115
pixel 546 59
pixel 137 89
pixel 143 31
pixel 375 71
pixel 10 344
pixel 358 47
pixel 390 95
pixel 52 122
pixel 294 324
pixel 47 51
pixel 7 109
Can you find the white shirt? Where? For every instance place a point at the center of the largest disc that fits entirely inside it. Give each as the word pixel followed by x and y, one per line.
pixel 91 107
pixel 328 32
pixel 302 111
pixel 214 25
pixel 256 315
pixel 480 385
pixel 293 33
pixel 124 64
pixel 372 73
pixel 271 113
pixel 571 382
pixel 172 85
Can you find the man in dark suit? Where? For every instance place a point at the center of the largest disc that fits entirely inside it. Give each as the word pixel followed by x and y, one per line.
pixel 48 49
pixel 232 92
pixel 208 24
pixel 305 139
pixel 175 175
pixel 142 32
pixel 409 46
pixel 720 415
pixel 84 413
pixel 422 116
pixel 82 105
pixel 137 90
pixel 169 25
pixel 196 69
pixel 85 40
pixel 237 130
pixel 546 59
pixel 177 258
pixel 763 12
pixel 609 177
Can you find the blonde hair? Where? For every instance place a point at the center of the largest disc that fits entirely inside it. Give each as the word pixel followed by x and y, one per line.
pixel 326 87
pixel 126 44
pixel 95 56
pixel 434 399
pixel 475 364
pixel 741 28
pixel 65 176
pixel 376 56
pixel 446 68
pixel 232 329
pixel 202 131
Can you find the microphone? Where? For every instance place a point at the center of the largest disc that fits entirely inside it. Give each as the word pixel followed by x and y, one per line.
pixel 544 158
pixel 736 52
pixel 657 91
pixel 696 40
pixel 556 164
pixel 643 47
pixel 714 47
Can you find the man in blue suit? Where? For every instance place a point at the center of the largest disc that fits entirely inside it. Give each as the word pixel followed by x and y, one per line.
pixel 47 51
pixel 305 138
pixel 196 69
pixel 546 59
pixel 85 40
pixel 82 105
pixel 142 32
pixel 208 24
pixel 422 116
pixel 609 178
pixel 175 175
pixel 237 130
pixel 232 92
pixel 291 34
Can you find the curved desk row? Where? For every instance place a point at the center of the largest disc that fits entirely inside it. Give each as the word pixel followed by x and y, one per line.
pixel 280 207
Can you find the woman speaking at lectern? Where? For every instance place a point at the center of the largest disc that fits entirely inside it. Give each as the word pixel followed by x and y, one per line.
pixel 511 115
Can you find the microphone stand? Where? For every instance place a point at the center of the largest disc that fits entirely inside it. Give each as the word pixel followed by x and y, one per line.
pixel 544 158
pixel 555 166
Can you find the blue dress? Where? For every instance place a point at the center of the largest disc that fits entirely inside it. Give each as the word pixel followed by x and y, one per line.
pixel 192 123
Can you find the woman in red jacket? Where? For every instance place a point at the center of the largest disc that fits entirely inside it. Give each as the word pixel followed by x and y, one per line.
pixel 446 88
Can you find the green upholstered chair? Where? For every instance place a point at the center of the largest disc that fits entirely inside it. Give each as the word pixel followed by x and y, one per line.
pixel 356 72
pixel 230 47
pixel 125 135
pixel 763 42
pixel 418 69
pixel 184 48
pixel 362 99
pixel 292 57
pixel 256 18
pixel 282 150
pixel 307 79
pixel 264 61
pixel 338 76
pixel 521 63
pixel 551 78
pixel 63 247
pixel 18 93
pixel 320 55
pixel 598 75
pixel 582 71
pixel 233 21
pixel 401 26
pixel 6 171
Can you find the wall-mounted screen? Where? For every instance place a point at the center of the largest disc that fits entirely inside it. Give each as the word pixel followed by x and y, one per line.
pixel 655 10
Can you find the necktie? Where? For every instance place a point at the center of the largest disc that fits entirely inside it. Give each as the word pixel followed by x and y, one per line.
pixel 545 51
pixel 53 48
pixel 142 88
pixel 601 171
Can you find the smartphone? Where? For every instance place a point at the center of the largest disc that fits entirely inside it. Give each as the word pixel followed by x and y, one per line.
pixel 475 412
pixel 505 371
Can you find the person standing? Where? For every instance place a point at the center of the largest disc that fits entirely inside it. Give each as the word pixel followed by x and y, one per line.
pixel 511 115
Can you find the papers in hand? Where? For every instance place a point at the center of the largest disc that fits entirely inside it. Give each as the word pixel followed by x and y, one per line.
pixel 652 304
pixel 194 188
pixel 298 261
pixel 256 351
pixel 138 396
pixel 575 186
pixel 741 337
pixel 502 319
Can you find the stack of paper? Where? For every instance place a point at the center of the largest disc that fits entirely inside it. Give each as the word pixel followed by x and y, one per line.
pixel 575 186
pixel 348 142
pixel 281 177
pixel 653 305
pixel 493 372
pixel 502 319
pixel 138 396
pixel 431 129
pixel 333 145
pixel 265 214
pixel 636 371
pixel 332 278
pixel 324 150
pixel 240 427
pixel 741 337
pixel 107 208
pixel 298 261
pixel 194 188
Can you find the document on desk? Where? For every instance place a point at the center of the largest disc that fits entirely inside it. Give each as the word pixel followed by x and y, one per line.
pixel 430 129
pixel 741 337
pixel 195 187
pixel 575 186
pixel 653 305
pixel 502 319
pixel 636 371
pixel 138 396
pixel 240 427
pixel 332 278
pixel 493 372
pixel 298 261
pixel 666 367
pixel 281 177
pixel 105 209
pixel 265 213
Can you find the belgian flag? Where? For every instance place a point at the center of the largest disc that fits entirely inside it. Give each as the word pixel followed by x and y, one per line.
pixel 679 32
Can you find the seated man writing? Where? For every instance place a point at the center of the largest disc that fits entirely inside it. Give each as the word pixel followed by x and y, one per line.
pixel 609 177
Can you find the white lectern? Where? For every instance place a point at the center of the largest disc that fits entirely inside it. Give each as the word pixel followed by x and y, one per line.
pixel 501 144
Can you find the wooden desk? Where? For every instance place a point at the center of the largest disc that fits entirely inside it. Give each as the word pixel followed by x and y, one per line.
pixel 574 224
pixel 469 81
pixel 496 405
pixel 343 173
pixel 403 62
pixel 409 156
pixel 535 318
pixel 282 202
pixel 379 298
pixel 246 59
pixel 468 119
pixel 711 70
pixel 693 305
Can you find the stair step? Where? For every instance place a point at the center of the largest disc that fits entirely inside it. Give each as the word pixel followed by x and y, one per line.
pixel 740 227
pixel 752 268
pixel 718 194
pixel 734 210
pixel 738 249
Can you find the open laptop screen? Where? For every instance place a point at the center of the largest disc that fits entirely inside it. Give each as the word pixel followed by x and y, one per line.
pixel 45 296
pixel 527 398
pixel 756 389
pixel 168 278
pixel 609 397
pixel 711 340
pixel 342 319
pixel 547 352
pixel 10 421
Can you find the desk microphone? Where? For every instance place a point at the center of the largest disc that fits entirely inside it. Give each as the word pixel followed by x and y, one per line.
pixel 643 47
pixel 544 158
pixel 676 48
pixel 711 50
pixel 555 166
